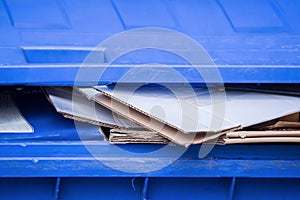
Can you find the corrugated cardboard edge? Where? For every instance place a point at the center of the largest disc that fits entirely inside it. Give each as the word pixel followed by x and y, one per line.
pixel 77 118
pixel 86 93
pixel 129 136
pixel 72 116
pixel 86 120
pixel 252 134
pixel 163 129
pixel 147 114
pixel 260 140
pixel 284 124
pixel 133 131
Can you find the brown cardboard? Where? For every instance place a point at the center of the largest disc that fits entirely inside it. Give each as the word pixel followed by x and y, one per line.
pixel 261 140
pixel 291 118
pixel 153 124
pixel 284 124
pixel 289 121
pixel 203 125
pixel 185 138
pixel 279 132
pixel 127 136
pixel 258 107
pixel 251 134
pixel 86 120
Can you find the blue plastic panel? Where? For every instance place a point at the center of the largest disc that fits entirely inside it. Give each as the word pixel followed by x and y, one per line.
pixel 148 188
pixel 53 163
pixel 252 41
pixel 56 150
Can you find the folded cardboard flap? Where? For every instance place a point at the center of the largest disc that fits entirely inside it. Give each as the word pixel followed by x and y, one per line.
pixel 175 107
pixel 175 134
pixel 152 124
pixel 258 106
pixel 139 124
pixel 72 104
pixel 284 106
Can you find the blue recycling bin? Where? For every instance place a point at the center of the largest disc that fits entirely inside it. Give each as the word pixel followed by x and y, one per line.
pixel 49 42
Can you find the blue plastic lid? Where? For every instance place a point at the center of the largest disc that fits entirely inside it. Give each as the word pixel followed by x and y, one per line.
pixel 251 41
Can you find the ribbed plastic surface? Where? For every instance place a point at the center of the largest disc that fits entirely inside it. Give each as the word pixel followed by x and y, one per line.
pixel 252 41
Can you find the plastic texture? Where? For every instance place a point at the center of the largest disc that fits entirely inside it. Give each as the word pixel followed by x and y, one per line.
pixel 251 41
pixel 44 43
pixel 53 163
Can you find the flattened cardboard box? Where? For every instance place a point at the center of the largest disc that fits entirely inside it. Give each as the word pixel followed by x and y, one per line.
pixel 120 131
pixel 71 104
pixel 260 107
pixel 287 131
pixel 144 120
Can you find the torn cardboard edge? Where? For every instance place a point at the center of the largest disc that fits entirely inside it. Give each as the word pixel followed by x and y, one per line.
pixel 152 124
pixel 131 136
pixel 124 136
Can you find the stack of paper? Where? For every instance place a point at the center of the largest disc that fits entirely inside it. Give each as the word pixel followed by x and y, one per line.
pixel 71 104
pixel 157 115
pixel 286 129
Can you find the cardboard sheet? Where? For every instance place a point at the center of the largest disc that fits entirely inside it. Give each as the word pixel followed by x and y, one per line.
pixel 186 115
pixel 252 134
pixel 81 109
pixel 284 124
pixel 261 140
pixel 290 118
pixel 242 109
pixel 11 119
pixel 142 119
pixel 275 132
pixel 127 136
